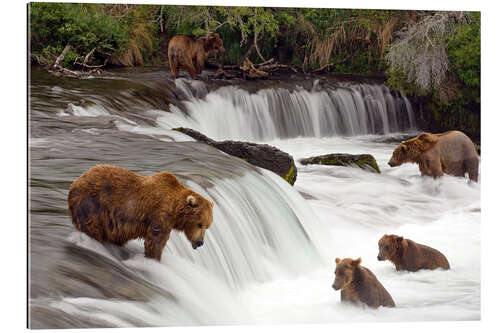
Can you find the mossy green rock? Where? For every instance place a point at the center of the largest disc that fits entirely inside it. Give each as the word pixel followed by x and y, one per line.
pixel 364 161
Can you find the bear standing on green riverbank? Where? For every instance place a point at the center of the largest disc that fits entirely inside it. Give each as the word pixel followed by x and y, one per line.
pixel 190 53
pixel 115 205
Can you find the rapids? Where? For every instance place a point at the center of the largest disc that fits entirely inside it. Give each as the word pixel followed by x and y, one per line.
pixel 269 255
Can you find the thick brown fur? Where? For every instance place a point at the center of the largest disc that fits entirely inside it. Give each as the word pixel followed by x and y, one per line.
pixel 190 53
pixel 113 204
pixel 451 152
pixel 359 285
pixel 407 255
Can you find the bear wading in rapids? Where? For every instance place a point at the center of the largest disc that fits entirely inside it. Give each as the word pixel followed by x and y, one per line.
pixel 407 255
pixel 358 284
pixel 112 204
pixel 451 152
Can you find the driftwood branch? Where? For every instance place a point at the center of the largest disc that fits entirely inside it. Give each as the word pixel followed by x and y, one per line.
pixel 58 68
pixel 249 68
pixel 92 66
pixel 247 54
pixel 60 58
pixel 265 62
pixel 87 57
pixel 274 67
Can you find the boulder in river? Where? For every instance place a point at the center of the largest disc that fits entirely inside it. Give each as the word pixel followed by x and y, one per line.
pixel 261 155
pixel 364 161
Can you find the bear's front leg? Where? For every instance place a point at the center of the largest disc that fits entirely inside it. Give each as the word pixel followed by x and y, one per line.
pixel 156 238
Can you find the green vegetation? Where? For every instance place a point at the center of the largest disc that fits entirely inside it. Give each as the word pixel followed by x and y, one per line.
pixel 431 56
pixel 289 177
pixel 438 59
pixel 112 31
pixel 340 40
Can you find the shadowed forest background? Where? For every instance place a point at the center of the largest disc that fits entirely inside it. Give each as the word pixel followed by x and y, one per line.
pixel 432 57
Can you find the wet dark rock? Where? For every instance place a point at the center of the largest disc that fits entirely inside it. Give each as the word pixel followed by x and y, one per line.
pixel 364 161
pixel 261 155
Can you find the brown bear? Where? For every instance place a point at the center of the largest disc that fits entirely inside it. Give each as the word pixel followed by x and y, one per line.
pixel 408 255
pixel 451 152
pixel 115 205
pixel 359 284
pixel 190 53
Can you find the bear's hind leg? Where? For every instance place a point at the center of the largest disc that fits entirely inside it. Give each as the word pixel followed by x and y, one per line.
pixel 189 67
pixel 174 66
pixel 85 217
pixel 472 168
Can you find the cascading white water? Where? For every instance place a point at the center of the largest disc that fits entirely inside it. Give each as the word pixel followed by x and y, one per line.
pixel 259 225
pixel 268 257
pixel 231 112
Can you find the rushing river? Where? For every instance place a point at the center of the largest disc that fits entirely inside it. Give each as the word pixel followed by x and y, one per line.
pixel 269 255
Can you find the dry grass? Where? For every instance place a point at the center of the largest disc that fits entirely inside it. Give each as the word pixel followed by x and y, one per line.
pixel 140 38
pixel 346 36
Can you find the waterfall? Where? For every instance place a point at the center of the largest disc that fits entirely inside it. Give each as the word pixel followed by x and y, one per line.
pixel 269 255
pixel 234 112
pixel 259 223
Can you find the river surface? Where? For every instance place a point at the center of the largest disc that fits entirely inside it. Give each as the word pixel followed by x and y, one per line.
pixel 269 255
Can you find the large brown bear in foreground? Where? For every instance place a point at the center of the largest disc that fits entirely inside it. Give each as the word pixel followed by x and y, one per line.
pixel 359 284
pixel 113 204
pixel 190 53
pixel 408 255
pixel 451 152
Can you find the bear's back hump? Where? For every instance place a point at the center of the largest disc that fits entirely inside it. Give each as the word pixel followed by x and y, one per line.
pixel 454 146
pixel 372 291
pixel 105 177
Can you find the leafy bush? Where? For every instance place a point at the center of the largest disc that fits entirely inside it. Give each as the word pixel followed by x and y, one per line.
pixel 83 26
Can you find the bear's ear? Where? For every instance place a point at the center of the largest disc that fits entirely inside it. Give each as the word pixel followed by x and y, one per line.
pixel 424 137
pixel 399 239
pixel 337 260
pixel 210 41
pixel 191 200
pixel 356 262
pixel 427 138
pixel 404 147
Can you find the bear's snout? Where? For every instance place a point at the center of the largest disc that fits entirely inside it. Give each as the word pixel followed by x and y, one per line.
pixel 379 257
pixel 391 164
pixel 335 287
pixel 197 243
